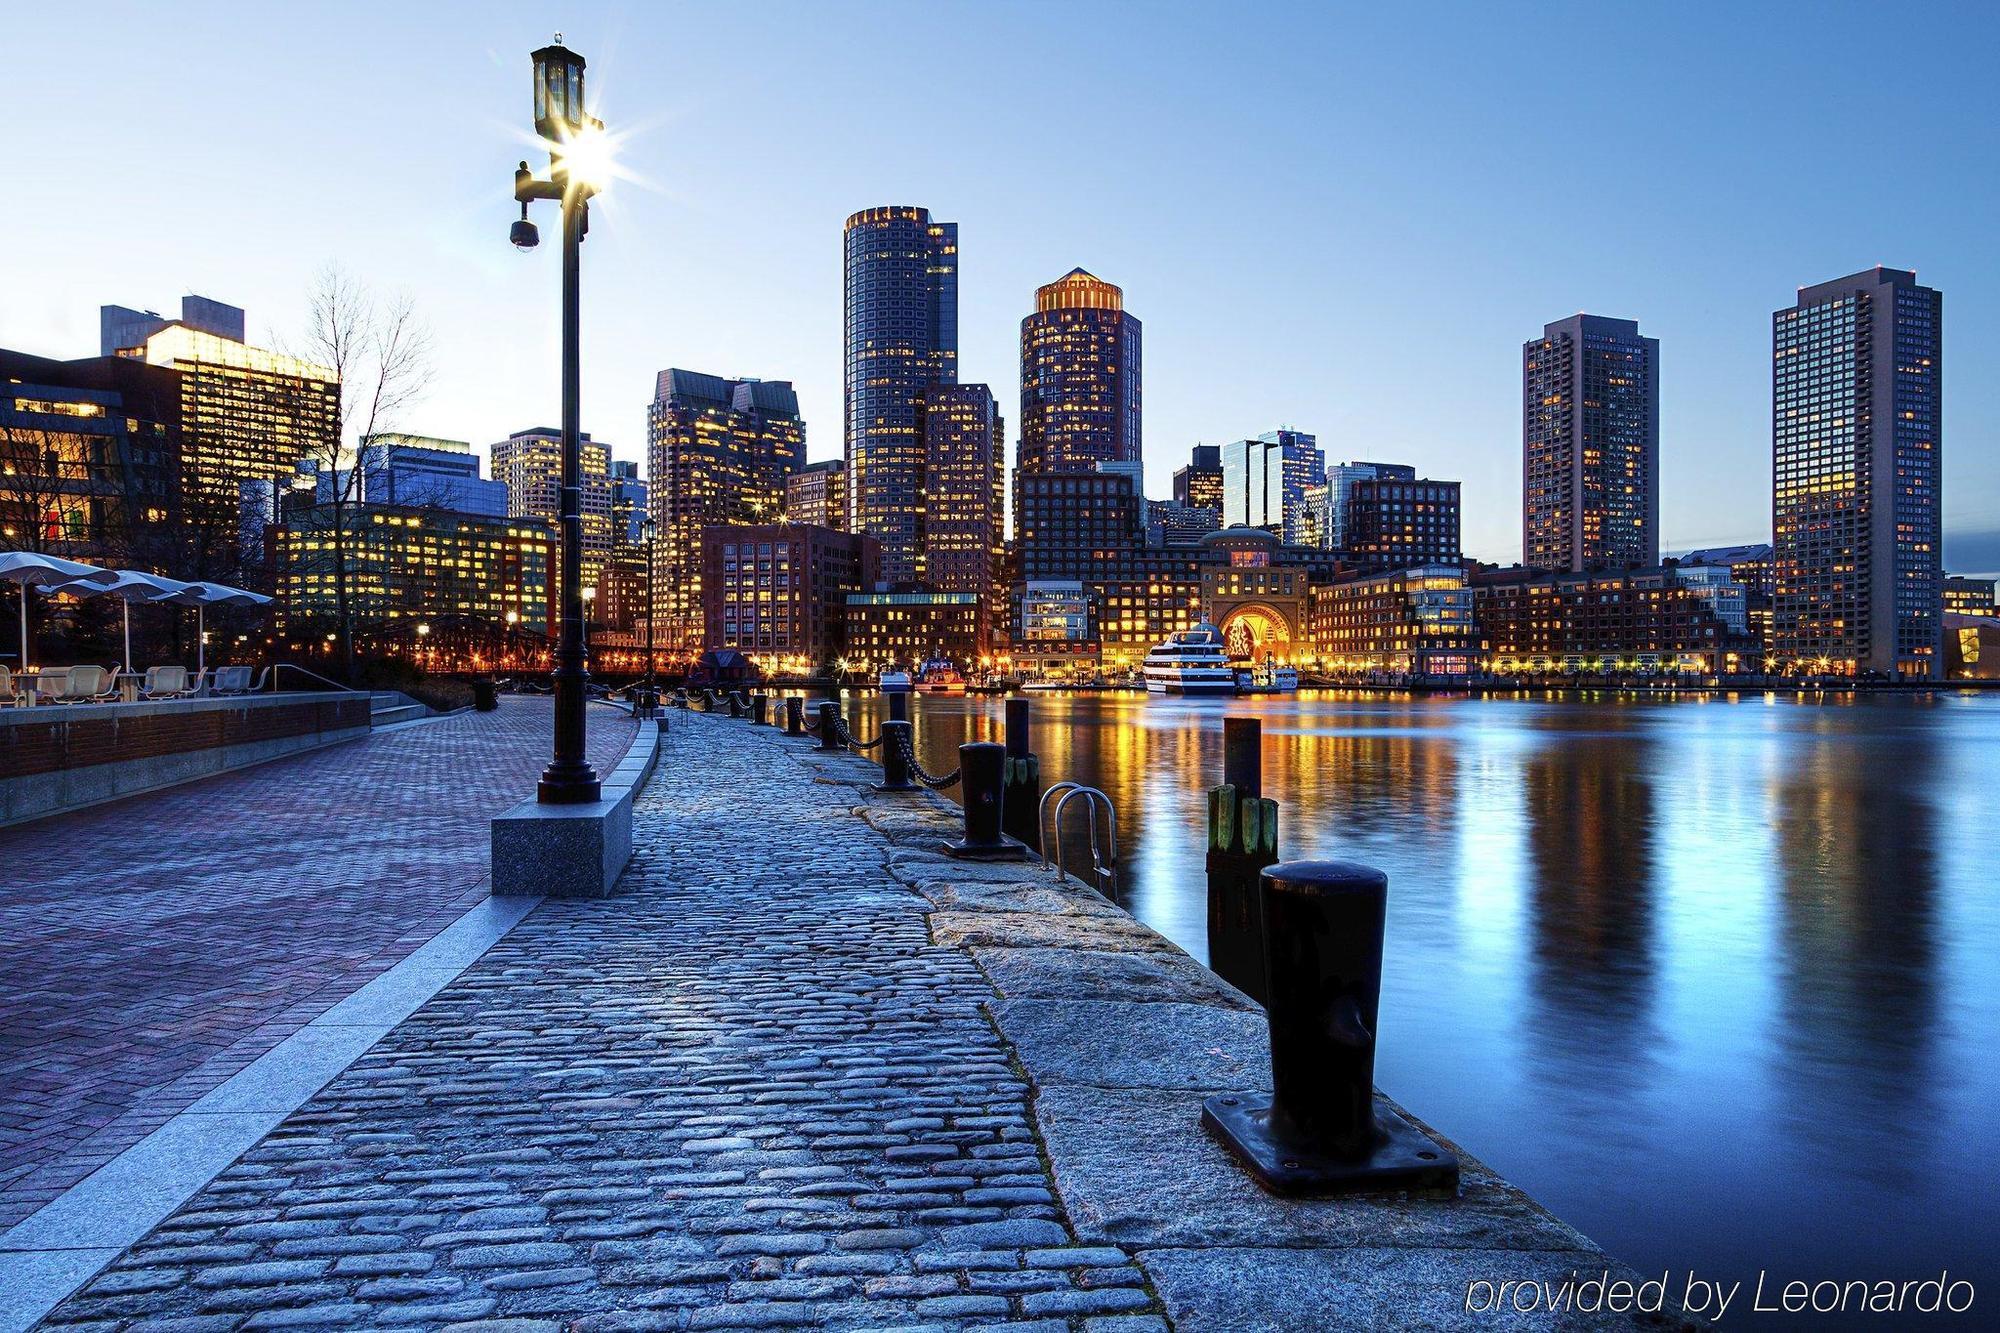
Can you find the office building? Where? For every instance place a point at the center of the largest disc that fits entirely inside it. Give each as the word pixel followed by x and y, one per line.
pixel 817 494
pixel 1970 597
pixel 1748 564
pixel 1198 484
pixel 718 451
pixel 1264 482
pixel 1590 446
pixel 909 628
pixel 1856 425
pixel 90 459
pixel 629 506
pixel 420 472
pixel 1170 523
pixel 777 592
pixel 120 328
pixel 467 576
pixel 1080 377
pixel 1329 504
pixel 1408 623
pixel 529 464
pixel 1400 522
pixel 901 336
pixel 1602 621
pixel 1055 629
pixel 248 416
pixel 965 497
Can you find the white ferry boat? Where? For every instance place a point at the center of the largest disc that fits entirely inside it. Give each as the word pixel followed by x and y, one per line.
pixel 1193 661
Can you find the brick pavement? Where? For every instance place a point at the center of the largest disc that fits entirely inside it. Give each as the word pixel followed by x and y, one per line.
pixel 156 945
pixel 748 1092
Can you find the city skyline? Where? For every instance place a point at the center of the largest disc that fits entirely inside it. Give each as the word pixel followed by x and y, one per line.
pixel 1314 328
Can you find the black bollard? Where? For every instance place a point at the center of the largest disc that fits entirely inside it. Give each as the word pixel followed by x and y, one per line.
pixel 1242 840
pixel 829 725
pixel 1023 780
pixel 1320 1129
pixel 735 705
pixel 760 709
pixel 982 772
pixel 897 739
pixel 795 715
pixel 899 706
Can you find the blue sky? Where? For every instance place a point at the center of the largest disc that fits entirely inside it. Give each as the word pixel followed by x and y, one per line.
pixel 1340 220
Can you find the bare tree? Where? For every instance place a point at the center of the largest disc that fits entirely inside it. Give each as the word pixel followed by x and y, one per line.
pixel 381 350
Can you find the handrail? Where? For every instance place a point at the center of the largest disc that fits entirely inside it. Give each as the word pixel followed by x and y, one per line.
pixel 1103 872
pixel 272 672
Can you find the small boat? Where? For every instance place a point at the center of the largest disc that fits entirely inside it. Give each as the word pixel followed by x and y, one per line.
pixel 1270 678
pixel 893 681
pixel 938 676
pixel 1193 661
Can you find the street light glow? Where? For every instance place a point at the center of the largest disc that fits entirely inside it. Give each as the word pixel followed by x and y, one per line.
pixel 589 157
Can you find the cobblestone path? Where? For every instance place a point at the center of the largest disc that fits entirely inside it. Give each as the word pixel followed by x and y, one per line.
pixel 154 946
pixel 747 1092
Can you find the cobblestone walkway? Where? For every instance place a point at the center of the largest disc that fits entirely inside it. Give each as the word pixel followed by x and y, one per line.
pixel 747 1092
pixel 156 945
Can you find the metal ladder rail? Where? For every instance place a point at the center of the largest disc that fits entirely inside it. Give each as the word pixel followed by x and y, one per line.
pixel 1103 870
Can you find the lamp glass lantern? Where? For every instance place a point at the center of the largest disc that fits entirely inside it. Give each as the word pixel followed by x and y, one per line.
pixel 559 113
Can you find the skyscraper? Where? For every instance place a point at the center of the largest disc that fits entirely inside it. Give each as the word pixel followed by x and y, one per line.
pixel 1264 482
pixel 901 301
pixel 1199 484
pixel 1590 446
pixel 1080 388
pixel 964 495
pixel 1856 393
pixel 421 472
pixel 718 451
pixel 817 494
pixel 530 463
pixel 1401 522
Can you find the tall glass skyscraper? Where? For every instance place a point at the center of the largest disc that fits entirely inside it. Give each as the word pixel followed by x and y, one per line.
pixel 901 285
pixel 1856 391
pixel 1264 482
pixel 1079 377
pixel 1590 446
pixel 964 496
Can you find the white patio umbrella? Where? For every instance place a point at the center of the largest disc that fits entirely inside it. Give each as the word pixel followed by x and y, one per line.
pixel 129 586
pixel 201 596
pixel 30 569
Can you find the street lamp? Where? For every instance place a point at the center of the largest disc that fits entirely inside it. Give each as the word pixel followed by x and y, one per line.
pixel 646 540
pixel 576 167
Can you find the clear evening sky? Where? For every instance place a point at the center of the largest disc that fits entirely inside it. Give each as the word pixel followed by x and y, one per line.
pixel 1343 221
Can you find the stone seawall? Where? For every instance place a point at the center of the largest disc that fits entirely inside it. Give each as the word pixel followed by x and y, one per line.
pixel 1121 1035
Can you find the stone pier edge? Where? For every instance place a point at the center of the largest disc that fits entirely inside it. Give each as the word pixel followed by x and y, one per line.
pixel 1120 1035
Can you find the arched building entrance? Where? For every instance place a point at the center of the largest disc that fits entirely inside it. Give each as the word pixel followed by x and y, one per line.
pixel 1254 631
pixel 1257 603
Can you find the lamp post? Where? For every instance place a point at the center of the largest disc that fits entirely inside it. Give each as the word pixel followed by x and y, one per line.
pixel 575 139
pixel 646 540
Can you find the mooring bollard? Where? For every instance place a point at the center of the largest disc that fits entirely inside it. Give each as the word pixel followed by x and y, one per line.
pixel 982 767
pixel 760 709
pixel 897 740
pixel 829 725
pixel 1242 840
pixel 1320 1130
pixel 735 704
pixel 899 706
pixel 1022 809
pixel 795 715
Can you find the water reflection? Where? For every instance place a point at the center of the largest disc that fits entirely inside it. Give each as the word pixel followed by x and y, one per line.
pixel 1715 979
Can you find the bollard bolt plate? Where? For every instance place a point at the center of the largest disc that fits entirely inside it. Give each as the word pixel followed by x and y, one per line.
pixel 1404 1159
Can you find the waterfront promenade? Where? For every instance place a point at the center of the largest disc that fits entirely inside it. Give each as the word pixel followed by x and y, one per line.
pixel 804 1071
pixel 156 945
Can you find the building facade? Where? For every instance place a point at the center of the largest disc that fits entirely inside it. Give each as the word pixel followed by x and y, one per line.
pixel 1970 597
pixel 1080 377
pixel 1604 621
pixel 1396 522
pixel 1856 425
pixel 420 471
pixel 718 451
pixel 900 284
pixel 1414 622
pixel 529 464
pixel 965 497
pixel 1590 446
pixel 777 592
pixel 1264 482
pixel 817 494
pixel 466 573
pixel 1198 485
pixel 90 459
pixel 908 628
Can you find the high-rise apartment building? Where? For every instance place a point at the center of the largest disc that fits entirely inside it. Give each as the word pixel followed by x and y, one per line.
pixel 1856 419
pixel 965 496
pixel 529 462
pixel 1264 482
pixel 718 451
pixel 1080 377
pixel 817 494
pixel 1590 446
pixel 901 331
pixel 1401 522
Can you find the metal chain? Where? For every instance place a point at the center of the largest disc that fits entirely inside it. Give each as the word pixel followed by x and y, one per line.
pixel 846 737
pixel 918 771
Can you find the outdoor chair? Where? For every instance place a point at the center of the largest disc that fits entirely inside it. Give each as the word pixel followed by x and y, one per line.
pixel 6 686
pixel 85 684
pixel 164 682
pixel 230 680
